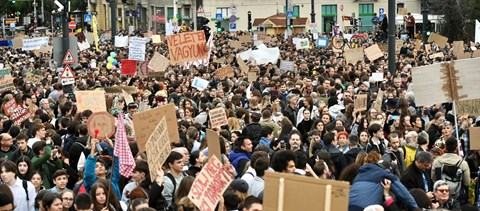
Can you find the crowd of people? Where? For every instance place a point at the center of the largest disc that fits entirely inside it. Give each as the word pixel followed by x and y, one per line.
pixel 396 155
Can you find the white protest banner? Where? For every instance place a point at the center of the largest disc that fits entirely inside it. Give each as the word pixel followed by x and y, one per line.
pixel 200 83
pixel 218 117
pixel 34 44
pixel 301 43
pixel 376 77
pixel 158 148
pixel 210 184
pixel 136 48
pixel 121 41
pixel 286 65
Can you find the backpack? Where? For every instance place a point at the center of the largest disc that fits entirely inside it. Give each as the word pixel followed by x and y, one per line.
pixel 25 187
pixel 453 175
pixel 173 206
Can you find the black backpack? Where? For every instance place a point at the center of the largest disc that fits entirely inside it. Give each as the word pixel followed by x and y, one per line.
pixel 453 175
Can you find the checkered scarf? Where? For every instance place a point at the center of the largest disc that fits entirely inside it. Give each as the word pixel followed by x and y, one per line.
pixel 122 149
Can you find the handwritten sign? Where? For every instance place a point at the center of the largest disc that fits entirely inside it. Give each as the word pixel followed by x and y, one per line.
pixel 34 44
pixel 145 122
pixel 158 148
pixel 225 71
pixel 184 47
pixel 158 63
pixel 373 52
pixel 129 67
pixel 440 40
pixel 200 83
pixel 360 103
pixel 470 107
pixel 121 41
pixel 210 184
pixel 252 76
pixel 218 117
pixel 136 48
pixel 6 80
pixel 91 100
pixel 34 76
pixel 295 192
pixel 354 55
pixel 242 65
pixel 17 112
pixel 286 65
pixel 103 122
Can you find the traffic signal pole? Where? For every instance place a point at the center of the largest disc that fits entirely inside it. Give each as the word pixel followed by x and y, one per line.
pixel 391 36
pixel 113 19
pixel 425 19
pixel 65 29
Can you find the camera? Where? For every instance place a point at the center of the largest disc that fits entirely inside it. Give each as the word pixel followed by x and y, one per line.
pixel 283 146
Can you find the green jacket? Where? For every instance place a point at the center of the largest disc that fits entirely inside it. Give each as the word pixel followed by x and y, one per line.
pixel 46 167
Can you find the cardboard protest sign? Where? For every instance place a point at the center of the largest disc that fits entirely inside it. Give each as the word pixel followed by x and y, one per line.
pixel 200 83
pixel 373 52
pixel 119 89
pixel 470 107
pixel 436 55
pixel 225 71
pixel 377 104
pixel 418 44
pixel 252 76
pixel 295 192
pixel 474 138
pixel 210 184
pixel 17 112
pixel 91 100
pixel 156 39
pixel 6 80
pixel 360 103
pixel 440 40
pixel 103 122
pixel 145 123
pixel 383 47
pixel 158 63
pixel 402 11
pixel 136 48
pixel 236 44
pixel 245 38
pixel 213 141
pixel 218 117
pixel 35 76
pixel 158 148
pixel 301 43
pixel 188 46
pixel 17 43
pixel 354 55
pixel 457 48
pixel 286 65
pixel 242 65
pixel 129 67
pixel 398 46
pixel 128 97
pixel 8 107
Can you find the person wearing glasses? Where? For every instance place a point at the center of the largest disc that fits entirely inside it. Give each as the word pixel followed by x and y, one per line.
pixel 441 194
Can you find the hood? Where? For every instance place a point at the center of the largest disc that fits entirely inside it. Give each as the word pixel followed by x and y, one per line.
pixel 373 173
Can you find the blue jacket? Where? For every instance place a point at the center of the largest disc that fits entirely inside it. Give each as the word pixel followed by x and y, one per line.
pixel 366 189
pixel 90 178
pixel 236 156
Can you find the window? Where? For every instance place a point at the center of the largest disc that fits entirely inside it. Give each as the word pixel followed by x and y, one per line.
pixel 329 17
pixel 225 12
pixel 329 10
pixel 169 12
pixel 365 13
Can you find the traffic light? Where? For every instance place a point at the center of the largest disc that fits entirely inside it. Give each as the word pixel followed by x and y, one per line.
pixel 429 27
pixel 202 24
pixel 13 1
pixel 249 21
pixel 351 21
pixel 291 23
pixel 355 22
pixel 218 25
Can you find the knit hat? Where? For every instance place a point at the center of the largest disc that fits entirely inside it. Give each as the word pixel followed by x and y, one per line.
pixel 239 185
pixel 366 83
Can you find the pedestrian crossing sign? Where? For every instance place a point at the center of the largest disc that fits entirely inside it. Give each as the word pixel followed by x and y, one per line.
pixel 87 18
pixel 68 59
pixel 67 72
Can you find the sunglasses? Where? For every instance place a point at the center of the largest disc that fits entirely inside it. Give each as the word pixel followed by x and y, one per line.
pixel 443 190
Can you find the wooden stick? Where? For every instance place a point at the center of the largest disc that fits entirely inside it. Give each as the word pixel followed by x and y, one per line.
pixel 281 191
pixel 328 197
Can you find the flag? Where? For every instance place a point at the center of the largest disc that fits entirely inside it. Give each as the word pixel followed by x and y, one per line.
pixel 122 149
pixel 95 31
pixel 477 31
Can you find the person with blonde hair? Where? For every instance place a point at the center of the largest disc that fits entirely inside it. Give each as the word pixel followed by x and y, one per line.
pixel 234 124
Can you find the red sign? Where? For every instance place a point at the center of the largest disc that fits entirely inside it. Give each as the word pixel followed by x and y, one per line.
pixel 72 25
pixel 67 72
pixel 159 18
pixel 129 67
pixel 17 112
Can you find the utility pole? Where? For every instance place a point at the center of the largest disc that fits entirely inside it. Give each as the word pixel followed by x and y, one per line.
pixel 287 6
pixel 65 29
pixel 312 15
pixel 425 19
pixel 391 36
pixel 113 18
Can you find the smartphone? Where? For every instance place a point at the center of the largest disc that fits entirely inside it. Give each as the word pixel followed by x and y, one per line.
pixel 395 117
pixel 283 146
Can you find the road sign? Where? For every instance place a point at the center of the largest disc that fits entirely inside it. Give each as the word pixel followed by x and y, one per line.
pixel 233 8
pixel 290 14
pixel 58 20
pixel 233 19
pixel 381 11
pixel 72 25
pixel 68 81
pixel 67 72
pixel 12 25
pixel 68 59
pixel 87 18
pixel 218 16
pixel 233 26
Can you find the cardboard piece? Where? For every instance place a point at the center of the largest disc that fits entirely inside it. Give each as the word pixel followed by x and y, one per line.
pixel 470 107
pixel 440 40
pixel 476 54
pixel 104 122
pixel 354 55
pixel 377 104
pixel 360 103
pixel 128 97
pixel 373 52
pixel 252 76
pixel 245 39
pixel 225 71
pixel 6 81
pixel 17 112
pixel 457 48
pixel 236 44
pixel 129 67
pixel 158 63
pixel 295 192
pixel 383 47
pixel 286 65
pixel 158 148
pixel 145 123
pixel 156 39
pixel 91 100
pixel 437 55
pixel 428 48
pixel 118 89
pixel 218 117
pixel 17 42
pixel 242 65
pixel 213 141
pixel 210 184
pixel 402 11
pixel 398 46
pixel 35 76
pixel 188 46
pixel 418 44
pixel 474 138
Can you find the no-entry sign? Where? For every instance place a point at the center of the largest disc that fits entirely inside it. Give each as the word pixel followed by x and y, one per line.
pixel 72 25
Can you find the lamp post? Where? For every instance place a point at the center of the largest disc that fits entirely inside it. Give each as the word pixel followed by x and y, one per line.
pixel 425 19
pixel 312 15
pixel 391 36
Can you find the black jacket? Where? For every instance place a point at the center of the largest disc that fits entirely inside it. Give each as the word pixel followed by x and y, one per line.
pixel 412 178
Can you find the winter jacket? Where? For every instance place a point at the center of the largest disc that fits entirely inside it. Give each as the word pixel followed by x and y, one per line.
pixel 368 181
pixel 90 178
pixel 46 166
pixel 239 158
pixel 253 131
